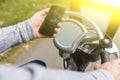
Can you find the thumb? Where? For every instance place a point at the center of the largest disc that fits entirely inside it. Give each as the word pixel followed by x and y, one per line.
pixel 44 11
pixel 96 66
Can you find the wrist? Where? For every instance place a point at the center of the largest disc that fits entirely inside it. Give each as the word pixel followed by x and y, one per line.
pixel 35 31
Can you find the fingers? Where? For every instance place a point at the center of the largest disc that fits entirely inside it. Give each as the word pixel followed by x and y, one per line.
pixel 54 35
pixel 62 20
pixel 55 31
pixel 44 12
pixel 59 25
pixel 97 66
pixel 57 28
pixel 115 61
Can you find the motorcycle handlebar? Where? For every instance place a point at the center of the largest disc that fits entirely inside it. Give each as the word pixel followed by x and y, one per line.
pixel 104 57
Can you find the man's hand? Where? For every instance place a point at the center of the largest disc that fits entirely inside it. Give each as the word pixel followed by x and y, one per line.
pixel 113 67
pixel 37 20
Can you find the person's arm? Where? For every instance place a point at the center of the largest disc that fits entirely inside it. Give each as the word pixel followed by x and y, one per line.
pixel 107 71
pixel 16 34
pixel 23 31
pixel 41 73
pixel 34 71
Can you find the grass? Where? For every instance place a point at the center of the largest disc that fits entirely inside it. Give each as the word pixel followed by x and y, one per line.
pixel 14 53
pixel 14 11
pixel 8 57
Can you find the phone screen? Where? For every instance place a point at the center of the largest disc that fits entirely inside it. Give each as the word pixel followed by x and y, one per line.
pixel 53 17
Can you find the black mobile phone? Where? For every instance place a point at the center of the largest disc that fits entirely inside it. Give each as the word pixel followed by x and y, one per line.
pixel 53 17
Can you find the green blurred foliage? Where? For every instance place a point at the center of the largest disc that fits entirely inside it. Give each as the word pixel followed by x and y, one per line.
pixel 1 1
pixel 14 11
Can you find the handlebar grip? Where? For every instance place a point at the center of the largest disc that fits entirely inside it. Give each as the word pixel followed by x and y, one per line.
pixel 105 57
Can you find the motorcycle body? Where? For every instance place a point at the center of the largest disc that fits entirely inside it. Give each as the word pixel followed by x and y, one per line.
pixel 80 42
